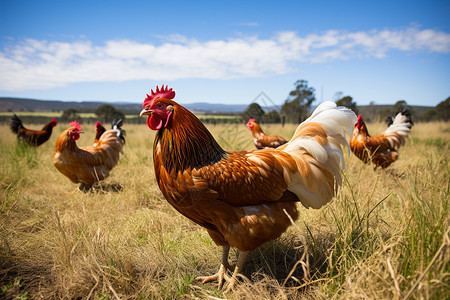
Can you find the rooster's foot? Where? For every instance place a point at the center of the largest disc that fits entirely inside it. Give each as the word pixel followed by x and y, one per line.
pixel 84 188
pixel 220 276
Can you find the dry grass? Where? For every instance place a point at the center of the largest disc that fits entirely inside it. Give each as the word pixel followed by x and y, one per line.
pixel 385 236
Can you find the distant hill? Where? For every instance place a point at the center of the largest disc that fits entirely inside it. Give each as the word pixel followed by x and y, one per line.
pixel 28 105
pixel 23 105
pixel 211 107
pixel 205 107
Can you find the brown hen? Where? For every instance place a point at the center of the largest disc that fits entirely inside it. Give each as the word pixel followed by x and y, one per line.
pixel 90 164
pixel 32 137
pixel 261 140
pixel 381 150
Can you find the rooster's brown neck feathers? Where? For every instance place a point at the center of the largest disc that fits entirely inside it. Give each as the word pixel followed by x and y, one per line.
pixel 257 131
pixel 186 143
pixel 66 143
pixel 48 127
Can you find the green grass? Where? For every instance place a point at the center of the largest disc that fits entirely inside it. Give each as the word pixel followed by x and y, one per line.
pixel 384 236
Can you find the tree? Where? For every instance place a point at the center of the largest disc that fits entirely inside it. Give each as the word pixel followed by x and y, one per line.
pixel 107 113
pixel 272 117
pixel 443 110
pixel 253 111
pixel 347 101
pixel 295 108
pixel 429 115
pixel 399 105
pixel 70 114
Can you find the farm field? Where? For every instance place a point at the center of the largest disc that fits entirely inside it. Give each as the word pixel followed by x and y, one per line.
pixel 384 236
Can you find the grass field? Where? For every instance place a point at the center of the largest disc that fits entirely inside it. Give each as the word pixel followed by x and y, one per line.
pixel 384 236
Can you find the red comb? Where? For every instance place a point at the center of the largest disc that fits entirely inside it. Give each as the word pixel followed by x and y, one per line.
pixel 76 125
pixel 54 121
pixel 164 92
pixel 359 122
pixel 98 124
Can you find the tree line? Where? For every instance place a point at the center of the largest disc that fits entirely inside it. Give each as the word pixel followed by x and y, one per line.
pixel 105 113
pixel 295 109
pixel 297 106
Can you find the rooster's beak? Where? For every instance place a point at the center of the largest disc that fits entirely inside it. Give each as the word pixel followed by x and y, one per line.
pixel 145 112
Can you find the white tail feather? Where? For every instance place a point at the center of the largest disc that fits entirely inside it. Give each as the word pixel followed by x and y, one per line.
pixel 398 131
pixel 319 185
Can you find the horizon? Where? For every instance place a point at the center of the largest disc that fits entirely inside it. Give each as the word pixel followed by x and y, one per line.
pixel 314 104
pixel 223 53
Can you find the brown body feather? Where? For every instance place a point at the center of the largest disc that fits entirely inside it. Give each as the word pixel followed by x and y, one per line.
pixel 262 140
pixel 87 165
pixel 381 150
pixel 239 196
pixel 29 136
pixel 99 130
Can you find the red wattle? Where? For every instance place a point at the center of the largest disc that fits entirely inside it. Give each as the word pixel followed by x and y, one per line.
pixel 168 118
pixel 154 123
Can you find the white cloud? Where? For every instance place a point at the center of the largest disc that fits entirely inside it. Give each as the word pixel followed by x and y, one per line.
pixel 249 24
pixel 40 64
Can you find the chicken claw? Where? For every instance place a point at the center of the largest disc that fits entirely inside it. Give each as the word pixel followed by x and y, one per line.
pixel 219 276
pixel 239 265
pixel 222 273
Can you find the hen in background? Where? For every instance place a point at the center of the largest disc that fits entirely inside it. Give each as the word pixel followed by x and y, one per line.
pixel 90 164
pixel 404 111
pixel 261 140
pixel 115 124
pixel 99 129
pixel 244 198
pixel 32 137
pixel 381 150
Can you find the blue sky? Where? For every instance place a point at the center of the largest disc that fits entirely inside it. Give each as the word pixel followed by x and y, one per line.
pixel 225 51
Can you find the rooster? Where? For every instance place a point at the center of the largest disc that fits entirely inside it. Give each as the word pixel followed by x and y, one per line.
pixel 91 164
pixel 115 124
pixel 99 129
pixel 32 137
pixel 261 140
pixel 244 198
pixel 381 150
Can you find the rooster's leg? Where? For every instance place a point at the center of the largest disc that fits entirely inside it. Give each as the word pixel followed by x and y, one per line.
pixel 84 187
pixel 239 265
pixel 222 273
